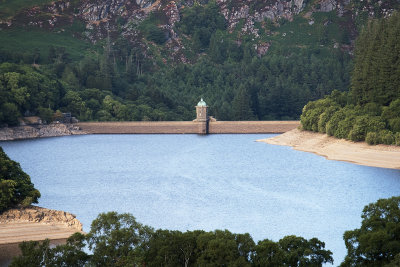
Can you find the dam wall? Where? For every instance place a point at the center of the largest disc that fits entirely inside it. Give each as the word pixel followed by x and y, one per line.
pixel 187 127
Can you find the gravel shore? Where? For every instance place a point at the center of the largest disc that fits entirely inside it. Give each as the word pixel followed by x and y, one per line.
pixel 361 153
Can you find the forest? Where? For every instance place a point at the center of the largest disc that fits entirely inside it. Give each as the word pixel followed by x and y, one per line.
pixel 370 110
pixel 117 80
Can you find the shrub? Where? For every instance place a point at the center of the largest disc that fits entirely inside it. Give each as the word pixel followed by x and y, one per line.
pixel 325 117
pixel 45 114
pixel 363 125
pixel 156 34
pixel 312 112
pixel 344 127
pixel 394 124
pixel 333 123
pixel 397 139
pixel 356 134
pixel 375 124
pixel 372 138
pixel 392 111
pixel 386 137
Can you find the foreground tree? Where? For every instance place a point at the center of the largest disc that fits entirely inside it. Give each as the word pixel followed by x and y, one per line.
pixel 291 251
pixel 117 240
pixel 16 187
pixel 268 253
pixel 36 253
pixel 377 242
pixel 223 248
pixel 172 248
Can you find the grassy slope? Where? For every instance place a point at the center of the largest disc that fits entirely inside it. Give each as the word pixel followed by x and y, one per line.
pixel 9 8
pixel 296 34
pixel 27 40
pixel 301 33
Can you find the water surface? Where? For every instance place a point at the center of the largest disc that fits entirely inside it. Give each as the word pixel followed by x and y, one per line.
pixel 188 182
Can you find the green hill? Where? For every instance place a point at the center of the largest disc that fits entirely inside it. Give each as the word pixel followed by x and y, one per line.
pixel 153 60
pixel 370 111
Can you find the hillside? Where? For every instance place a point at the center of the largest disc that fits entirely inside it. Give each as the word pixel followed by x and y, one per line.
pixel 152 60
pixel 370 111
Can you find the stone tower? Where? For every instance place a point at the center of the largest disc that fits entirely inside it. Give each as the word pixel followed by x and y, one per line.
pixel 202 117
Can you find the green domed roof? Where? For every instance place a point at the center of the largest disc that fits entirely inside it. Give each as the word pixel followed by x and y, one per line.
pixel 202 103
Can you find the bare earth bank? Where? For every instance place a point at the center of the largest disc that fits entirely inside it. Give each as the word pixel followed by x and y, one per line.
pixel 361 153
pixel 33 223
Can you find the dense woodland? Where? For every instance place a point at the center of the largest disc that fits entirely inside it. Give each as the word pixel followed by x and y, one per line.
pixel 117 80
pixel 370 111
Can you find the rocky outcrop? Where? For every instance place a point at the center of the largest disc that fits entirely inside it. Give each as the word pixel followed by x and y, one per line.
pixel 251 12
pixel 27 132
pixel 115 18
pixel 36 214
pixel 101 10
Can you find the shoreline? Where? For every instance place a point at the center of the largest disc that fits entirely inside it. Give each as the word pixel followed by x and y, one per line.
pixel 38 131
pixel 144 127
pixel 34 223
pixel 381 156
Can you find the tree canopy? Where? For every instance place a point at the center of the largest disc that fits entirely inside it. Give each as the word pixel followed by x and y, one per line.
pixel 377 241
pixel 119 240
pixel 16 187
pixel 370 111
pixel 270 77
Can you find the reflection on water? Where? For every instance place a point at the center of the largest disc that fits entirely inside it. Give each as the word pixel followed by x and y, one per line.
pixel 188 182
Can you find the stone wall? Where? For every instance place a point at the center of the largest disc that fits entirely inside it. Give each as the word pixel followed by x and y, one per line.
pixel 139 127
pixel 187 127
pixel 143 127
pixel 247 127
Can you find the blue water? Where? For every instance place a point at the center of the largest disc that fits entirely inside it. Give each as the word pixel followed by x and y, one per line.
pixel 188 182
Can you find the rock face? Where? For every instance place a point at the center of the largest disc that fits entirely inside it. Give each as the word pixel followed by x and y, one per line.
pixel 27 132
pixel 112 18
pixel 41 215
pixel 257 11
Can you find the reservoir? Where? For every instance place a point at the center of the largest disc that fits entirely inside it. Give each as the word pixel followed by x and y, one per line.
pixel 188 182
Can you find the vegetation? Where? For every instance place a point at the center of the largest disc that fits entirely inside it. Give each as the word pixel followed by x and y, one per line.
pixel 116 79
pixel 371 110
pixel 377 242
pixel 15 185
pixel 118 240
pixel 8 8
